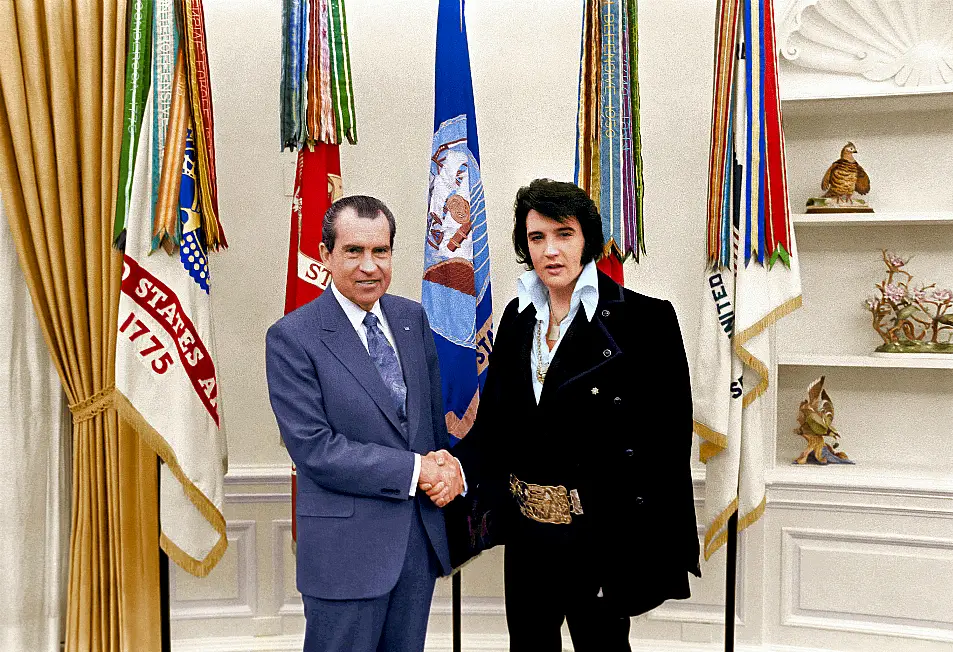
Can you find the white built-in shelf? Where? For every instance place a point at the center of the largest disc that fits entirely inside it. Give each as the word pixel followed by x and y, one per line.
pixel 898 361
pixel 808 106
pixel 861 478
pixel 873 219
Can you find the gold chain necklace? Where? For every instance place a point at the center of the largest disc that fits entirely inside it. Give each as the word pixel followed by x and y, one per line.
pixel 541 367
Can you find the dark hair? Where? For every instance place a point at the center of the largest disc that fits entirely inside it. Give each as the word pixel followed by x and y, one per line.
pixel 557 200
pixel 366 207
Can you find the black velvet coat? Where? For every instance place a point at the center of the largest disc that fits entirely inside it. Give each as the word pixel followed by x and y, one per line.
pixel 614 421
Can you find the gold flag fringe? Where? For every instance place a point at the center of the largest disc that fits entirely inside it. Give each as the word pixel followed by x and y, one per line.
pixel 197 567
pixel 717 535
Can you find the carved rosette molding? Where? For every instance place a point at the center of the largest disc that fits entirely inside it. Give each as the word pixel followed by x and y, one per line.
pixel 843 48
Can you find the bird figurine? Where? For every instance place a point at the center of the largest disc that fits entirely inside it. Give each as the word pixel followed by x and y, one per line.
pixel 845 176
pixel 815 415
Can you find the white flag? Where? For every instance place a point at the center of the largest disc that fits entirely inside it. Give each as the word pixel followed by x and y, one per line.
pixel 732 370
pixel 165 368
pixel 731 376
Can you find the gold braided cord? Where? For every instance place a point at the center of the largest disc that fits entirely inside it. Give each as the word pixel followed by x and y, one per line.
pixel 94 405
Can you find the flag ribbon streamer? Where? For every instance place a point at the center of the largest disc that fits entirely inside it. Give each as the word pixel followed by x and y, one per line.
pixel 746 34
pixel 608 138
pixel 317 98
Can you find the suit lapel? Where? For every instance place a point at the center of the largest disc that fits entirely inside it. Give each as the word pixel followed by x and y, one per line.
pixel 526 325
pixel 407 341
pixel 341 339
pixel 587 345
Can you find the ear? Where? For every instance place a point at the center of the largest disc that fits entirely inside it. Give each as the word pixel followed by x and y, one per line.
pixel 324 252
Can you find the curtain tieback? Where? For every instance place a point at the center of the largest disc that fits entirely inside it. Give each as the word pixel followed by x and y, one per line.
pixel 94 405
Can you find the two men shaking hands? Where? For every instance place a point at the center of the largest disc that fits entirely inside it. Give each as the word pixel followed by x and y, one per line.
pixel 441 477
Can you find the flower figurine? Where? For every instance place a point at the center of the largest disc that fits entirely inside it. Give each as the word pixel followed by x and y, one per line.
pixel 908 318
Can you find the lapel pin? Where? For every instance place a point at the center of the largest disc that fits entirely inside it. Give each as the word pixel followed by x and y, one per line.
pixel 406 328
pixel 595 390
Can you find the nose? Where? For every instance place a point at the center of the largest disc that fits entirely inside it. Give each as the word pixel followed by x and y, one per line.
pixel 551 249
pixel 367 263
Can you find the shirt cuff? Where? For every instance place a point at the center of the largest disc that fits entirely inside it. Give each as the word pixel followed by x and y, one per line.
pixel 416 476
pixel 463 476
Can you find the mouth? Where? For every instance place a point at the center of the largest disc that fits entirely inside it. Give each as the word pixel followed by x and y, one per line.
pixel 368 284
pixel 554 268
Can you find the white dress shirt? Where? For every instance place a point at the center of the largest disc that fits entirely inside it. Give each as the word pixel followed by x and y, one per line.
pixel 531 290
pixel 355 315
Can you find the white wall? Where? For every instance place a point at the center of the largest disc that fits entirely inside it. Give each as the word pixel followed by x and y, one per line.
pixel 525 59
pixel 525 64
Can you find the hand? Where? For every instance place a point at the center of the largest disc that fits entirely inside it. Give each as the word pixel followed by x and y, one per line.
pixel 440 477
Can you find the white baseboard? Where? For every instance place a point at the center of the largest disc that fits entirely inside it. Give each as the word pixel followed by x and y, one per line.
pixel 444 643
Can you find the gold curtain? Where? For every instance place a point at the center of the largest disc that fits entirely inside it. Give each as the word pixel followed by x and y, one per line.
pixel 61 109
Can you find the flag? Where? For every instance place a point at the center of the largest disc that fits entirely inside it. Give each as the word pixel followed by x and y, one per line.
pixel 165 367
pixel 608 134
pixel 456 278
pixel 752 278
pixel 317 114
pixel 166 378
pixel 317 186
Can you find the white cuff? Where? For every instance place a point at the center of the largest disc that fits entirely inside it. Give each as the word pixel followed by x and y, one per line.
pixel 462 475
pixel 413 480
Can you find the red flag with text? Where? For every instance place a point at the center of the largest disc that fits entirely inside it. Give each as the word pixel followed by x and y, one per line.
pixel 317 186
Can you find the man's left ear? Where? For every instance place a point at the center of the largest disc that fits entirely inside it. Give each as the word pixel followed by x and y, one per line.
pixel 323 252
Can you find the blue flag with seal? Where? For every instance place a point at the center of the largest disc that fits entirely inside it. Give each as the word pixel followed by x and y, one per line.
pixel 456 280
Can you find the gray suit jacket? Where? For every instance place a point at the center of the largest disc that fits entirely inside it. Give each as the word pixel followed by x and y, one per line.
pixel 355 462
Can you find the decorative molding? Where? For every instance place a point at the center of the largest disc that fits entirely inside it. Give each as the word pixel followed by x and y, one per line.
pixel 469 607
pixel 278 550
pixel 269 474
pixel 246 497
pixel 241 540
pixel 444 643
pixel 803 505
pixel 866 48
pixel 876 483
pixel 793 615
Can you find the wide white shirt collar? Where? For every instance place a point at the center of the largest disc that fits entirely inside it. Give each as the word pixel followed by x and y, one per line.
pixel 530 289
pixel 355 315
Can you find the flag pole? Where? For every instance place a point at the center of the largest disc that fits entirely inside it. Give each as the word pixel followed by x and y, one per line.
pixel 455 584
pixel 164 605
pixel 731 573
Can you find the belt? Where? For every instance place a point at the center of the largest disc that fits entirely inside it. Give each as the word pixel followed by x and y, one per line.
pixel 544 503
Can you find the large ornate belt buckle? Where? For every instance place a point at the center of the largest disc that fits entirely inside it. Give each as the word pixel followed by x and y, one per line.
pixel 543 503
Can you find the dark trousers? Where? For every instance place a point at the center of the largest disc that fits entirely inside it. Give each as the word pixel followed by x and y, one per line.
pixel 395 622
pixel 549 577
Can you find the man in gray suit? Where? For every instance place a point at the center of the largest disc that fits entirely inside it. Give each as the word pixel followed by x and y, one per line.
pixel 355 387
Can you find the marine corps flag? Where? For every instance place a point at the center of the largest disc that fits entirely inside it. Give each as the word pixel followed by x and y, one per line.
pixel 752 278
pixel 317 186
pixel 456 284
pixel 166 376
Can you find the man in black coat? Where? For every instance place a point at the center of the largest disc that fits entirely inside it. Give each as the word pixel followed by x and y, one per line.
pixel 582 441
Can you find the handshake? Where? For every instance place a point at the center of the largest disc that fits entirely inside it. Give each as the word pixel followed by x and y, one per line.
pixel 441 477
